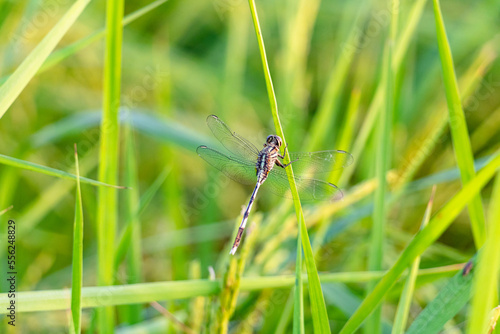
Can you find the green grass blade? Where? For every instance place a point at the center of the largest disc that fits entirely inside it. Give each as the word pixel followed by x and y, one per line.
pixel 197 305
pixel 458 126
pixel 109 157
pixel 318 307
pixel 421 242
pixel 298 294
pixel 131 215
pixel 11 89
pixel 126 236
pixel 37 210
pixel 77 264
pixel 346 133
pixel 282 324
pixel 9 161
pixel 382 165
pixel 405 300
pixel 411 22
pixel 231 283
pixel 50 300
pixel 401 50
pixel 427 140
pixel 328 106
pixel 59 55
pixel 487 273
pixel 174 194
pixel 450 300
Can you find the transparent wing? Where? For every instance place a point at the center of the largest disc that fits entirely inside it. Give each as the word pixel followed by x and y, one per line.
pixel 277 181
pixel 309 189
pixel 311 163
pixel 233 142
pixel 237 170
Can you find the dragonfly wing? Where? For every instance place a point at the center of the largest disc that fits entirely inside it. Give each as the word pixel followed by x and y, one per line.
pixel 309 189
pixel 233 142
pixel 311 163
pixel 236 169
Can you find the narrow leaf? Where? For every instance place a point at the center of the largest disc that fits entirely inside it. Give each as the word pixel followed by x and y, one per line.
pixel 406 297
pixel 382 165
pixel 6 160
pixel 318 306
pixel 298 294
pixel 48 300
pixel 107 199
pixel 450 300
pixel 11 89
pixel 437 225
pixel 77 264
pixel 458 126
pixel 488 270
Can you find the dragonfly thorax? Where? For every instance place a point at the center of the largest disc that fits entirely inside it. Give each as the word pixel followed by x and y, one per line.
pixel 266 160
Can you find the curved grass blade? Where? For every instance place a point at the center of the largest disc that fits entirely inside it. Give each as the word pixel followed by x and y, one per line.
pixel 437 225
pixel 35 211
pixel 450 300
pixel 50 300
pixel 59 55
pixel 298 293
pixel 405 300
pixel 6 160
pixel 458 126
pixel 77 264
pixel 426 140
pixel 382 165
pixel 318 307
pixel 15 84
pixel 487 273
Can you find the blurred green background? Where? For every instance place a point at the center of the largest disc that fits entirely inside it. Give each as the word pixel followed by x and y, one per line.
pixel 185 60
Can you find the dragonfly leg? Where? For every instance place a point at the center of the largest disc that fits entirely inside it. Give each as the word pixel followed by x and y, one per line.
pixel 279 163
pixel 284 152
pixel 282 165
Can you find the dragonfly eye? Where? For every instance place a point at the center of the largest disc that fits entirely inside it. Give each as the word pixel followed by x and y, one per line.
pixel 274 140
pixel 278 141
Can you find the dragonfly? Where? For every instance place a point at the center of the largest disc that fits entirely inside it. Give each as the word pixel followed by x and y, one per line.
pixel 250 166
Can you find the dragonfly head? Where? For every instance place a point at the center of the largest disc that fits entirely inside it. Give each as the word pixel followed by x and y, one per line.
pixel 274 140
